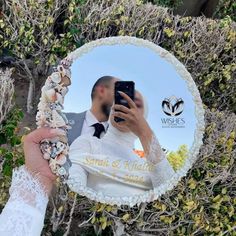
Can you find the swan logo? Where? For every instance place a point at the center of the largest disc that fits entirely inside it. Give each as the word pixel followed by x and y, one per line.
pixel 173 106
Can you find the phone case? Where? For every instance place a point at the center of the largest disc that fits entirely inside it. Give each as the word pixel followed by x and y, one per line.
pixel 126 87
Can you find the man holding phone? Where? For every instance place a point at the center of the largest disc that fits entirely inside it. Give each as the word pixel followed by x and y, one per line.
pixel 95 120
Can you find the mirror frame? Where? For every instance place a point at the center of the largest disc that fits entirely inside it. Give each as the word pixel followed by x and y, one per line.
pixel 199 111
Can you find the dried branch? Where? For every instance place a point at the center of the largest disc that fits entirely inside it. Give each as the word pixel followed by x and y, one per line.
pixel 7 92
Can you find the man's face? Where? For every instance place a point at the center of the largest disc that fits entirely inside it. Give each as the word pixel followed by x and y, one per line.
pixel 106 96
pixel 109 95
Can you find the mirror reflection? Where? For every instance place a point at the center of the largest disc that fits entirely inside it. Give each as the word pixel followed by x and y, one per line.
pixel 156 131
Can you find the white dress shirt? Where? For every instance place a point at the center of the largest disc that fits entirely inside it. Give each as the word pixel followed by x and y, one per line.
pixel 90 119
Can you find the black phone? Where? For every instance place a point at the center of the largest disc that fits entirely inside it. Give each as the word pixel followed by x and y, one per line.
pixel 126 87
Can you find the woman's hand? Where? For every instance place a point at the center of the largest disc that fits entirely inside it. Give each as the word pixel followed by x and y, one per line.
pixel 34 160
pixel 134 121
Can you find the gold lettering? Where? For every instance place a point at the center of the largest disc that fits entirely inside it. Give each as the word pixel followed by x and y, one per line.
pixel 116 164
pixel 119 164
pixel 96 162
pixel 135 166
pixel 134 178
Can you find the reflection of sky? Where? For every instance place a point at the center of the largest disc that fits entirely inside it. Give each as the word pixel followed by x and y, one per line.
pixel 155 78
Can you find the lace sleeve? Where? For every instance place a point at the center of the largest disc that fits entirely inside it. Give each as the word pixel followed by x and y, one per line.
pixel 23 214
pixel 163 171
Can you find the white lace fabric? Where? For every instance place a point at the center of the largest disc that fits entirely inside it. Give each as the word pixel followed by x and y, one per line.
pixel 163 170
pixel 155 154
pixel 23 214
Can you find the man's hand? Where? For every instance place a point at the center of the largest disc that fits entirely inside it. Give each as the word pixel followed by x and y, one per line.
pixel 34 160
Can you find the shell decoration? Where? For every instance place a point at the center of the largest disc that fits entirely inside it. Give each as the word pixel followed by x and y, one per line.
pixel 50 115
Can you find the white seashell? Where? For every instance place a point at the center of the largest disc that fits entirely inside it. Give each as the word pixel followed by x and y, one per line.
pixel 56 77
pixel 41 106
pixel 61 70
pixel 46 156
pixel 60 146
pixel 57 120
pixel 53 165
pixel 50 95
pixel 61 159
pixel 61 171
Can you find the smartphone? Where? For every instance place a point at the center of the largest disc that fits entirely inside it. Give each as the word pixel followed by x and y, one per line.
pixel 126 87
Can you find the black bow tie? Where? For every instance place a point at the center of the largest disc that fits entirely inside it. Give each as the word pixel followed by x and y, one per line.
pixel 99 128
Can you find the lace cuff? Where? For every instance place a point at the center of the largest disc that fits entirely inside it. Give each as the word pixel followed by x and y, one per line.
pixel 163 171
pixel 25 210
pixel 27 188
pixel 155 154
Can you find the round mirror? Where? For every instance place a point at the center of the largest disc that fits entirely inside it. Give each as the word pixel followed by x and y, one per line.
pixel 111 165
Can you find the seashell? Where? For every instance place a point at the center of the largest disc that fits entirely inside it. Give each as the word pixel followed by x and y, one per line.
pixel 66 62
pixel 42 106
pixel 63 139
pixel 60 146
pixel 65 81
pixel 50 95
pixel 56 77
pixel 61 171
pixel 61 70
pixel 57 120
pixel 48 81
pixel 64 72
pixel 46 156
pixel 53 165
pixel 54 152
pixel 61 159
pixel 45 146
pixel 56 106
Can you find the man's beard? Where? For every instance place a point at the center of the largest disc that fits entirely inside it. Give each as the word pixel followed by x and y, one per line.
pixel 106 109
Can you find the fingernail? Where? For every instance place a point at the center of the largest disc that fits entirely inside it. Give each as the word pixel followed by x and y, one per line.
pixel 58 131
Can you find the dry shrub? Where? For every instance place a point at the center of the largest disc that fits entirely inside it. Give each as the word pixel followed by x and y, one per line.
pixel 6 94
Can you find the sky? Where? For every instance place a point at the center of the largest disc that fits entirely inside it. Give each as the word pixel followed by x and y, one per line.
pixel 154 77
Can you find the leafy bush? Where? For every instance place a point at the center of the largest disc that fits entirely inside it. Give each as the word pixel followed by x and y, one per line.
pixel 226 8
pixel 177 159
pixel 11 153
pixel 10 141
